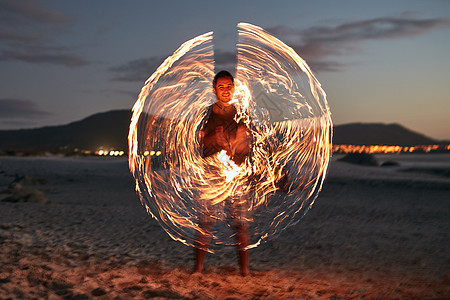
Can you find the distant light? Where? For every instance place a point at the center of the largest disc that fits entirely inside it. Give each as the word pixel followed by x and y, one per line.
pixel 152 153
pixel 158 153
pixel 374 149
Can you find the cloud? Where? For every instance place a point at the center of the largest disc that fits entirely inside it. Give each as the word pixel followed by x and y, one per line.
pixel 325 65
pixel 12 36
pixel 20 109
pixel 143 68
pixel 42 55
pixel 137 70
pixel 225 60
pixel 30 10
pixel 27 29
pixel 379 28
pixel 317 44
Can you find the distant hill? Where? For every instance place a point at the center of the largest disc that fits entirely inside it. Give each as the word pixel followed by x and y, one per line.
pixel 379 134
pixel 110 130
pixel 107 130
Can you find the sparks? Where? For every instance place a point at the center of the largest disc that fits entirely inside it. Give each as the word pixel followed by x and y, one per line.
pixel 276 96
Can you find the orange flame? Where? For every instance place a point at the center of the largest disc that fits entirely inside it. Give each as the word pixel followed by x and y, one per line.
pixel 280 101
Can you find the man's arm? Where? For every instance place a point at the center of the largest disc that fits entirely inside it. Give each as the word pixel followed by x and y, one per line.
pixel 215 141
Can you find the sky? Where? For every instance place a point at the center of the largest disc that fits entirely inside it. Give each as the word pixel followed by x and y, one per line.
pixel 384 61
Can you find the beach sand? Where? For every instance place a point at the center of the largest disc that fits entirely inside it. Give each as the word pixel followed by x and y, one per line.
pixel 74 228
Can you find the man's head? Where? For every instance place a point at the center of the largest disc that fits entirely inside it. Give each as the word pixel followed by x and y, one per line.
pixel 223 86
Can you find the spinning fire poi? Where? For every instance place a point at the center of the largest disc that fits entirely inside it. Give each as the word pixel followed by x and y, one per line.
pixel 230 197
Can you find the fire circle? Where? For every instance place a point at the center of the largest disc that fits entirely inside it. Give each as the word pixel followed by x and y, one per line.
pixel 277 96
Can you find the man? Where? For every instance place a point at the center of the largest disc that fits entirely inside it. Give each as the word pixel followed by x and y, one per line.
pixel 222 132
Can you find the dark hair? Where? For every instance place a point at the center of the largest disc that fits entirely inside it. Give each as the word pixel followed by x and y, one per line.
pixel 222 74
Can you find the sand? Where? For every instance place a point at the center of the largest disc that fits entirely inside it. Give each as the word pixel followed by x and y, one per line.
pixel 73 228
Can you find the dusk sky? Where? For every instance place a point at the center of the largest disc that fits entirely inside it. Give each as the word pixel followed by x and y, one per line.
pixel 382 61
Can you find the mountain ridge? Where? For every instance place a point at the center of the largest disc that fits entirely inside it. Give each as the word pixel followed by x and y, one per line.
pixel 109 130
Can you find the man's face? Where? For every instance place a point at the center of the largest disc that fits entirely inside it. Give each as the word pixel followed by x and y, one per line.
pixel 224 89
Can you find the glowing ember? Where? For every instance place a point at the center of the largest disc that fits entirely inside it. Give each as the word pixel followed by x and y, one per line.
pixel 282 103
pixel 230 170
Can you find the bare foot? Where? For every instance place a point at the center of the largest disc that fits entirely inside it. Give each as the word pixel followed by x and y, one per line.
pixel 197 270
pixel 245 272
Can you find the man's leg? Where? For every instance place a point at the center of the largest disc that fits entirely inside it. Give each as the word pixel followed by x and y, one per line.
pixel 242 243
pixel 202 245
pixel 199 259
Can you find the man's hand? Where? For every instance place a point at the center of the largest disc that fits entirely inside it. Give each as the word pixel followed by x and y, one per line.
pixel 221 140
pixel 242 143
